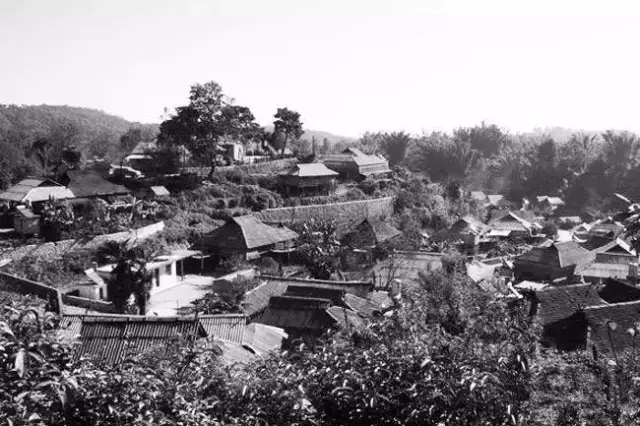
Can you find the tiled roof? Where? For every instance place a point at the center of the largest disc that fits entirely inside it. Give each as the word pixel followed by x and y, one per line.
pixel 246 233
pixel 619 290
pixel 604 270
pixel 557 303
pixel 558 255
pixel 310 170
pixel 90 184
pixel 611 325
pixel 366 307
pixel 112 339
pixel 229 327
pixel 257 300
pixel 289 312
pixel 345 318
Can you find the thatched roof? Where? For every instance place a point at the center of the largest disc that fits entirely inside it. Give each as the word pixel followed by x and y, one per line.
pixel 244 233
pixel 310 170
pixel 85 184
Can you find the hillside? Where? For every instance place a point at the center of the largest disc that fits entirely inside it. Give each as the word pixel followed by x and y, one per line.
pixel 321 135
pixel 93 132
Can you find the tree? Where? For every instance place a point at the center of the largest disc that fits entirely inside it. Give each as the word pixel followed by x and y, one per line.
pixel 129 275
pixel 487 139
pixel 57 219
pixel 288 124
pixel 319 247
pixel 396 145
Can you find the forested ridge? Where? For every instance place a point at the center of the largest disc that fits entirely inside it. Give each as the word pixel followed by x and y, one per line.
pixel 94 133
pixel 585 169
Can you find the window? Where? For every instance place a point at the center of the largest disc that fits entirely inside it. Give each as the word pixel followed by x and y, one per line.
pixel 157 276
pixel 167 269
pixel 101 294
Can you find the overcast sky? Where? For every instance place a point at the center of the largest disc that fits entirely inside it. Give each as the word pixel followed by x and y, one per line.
pixel 347 66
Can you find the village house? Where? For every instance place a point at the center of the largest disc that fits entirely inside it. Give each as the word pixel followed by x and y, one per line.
pixel 353 164
pixel 141 157
pixel 306 317
pixel 152 192
pixel 110 339
pixel 547 204
pixel 513 224
pixel 615 259
pixel 257 299
pixel 499 201
pixel 246 236
pixel 33 192
pixel 469 230
pixel 86 185
pixel 551 262
pixel 370 233
pixel 25 222
pixel 313 178
pixel 166 271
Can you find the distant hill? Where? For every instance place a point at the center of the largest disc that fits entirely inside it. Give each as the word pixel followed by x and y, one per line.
pixel 321 135
pixel 95 132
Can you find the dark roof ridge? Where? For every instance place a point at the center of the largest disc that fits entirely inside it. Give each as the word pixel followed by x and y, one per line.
pixel 613 305
pixel 313 281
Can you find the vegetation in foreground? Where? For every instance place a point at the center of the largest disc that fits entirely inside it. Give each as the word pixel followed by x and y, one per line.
pixel 447 354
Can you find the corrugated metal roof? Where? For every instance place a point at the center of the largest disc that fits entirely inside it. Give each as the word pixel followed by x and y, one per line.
pixel 112 339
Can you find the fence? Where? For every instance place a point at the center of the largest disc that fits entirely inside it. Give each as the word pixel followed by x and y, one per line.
pixel 94 305
pixel 25 286
pixel 346 214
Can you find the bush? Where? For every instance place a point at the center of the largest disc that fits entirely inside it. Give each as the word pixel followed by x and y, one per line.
pixel 369 186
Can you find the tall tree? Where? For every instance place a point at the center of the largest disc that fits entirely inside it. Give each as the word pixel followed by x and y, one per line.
pixel 288 124
pixel 129 275
pixel 396 145
pixel 488 139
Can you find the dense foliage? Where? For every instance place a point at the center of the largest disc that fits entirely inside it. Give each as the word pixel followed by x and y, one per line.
pixel 447 354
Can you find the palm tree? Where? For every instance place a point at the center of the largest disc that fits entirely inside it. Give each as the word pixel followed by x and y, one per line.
pixel 129 275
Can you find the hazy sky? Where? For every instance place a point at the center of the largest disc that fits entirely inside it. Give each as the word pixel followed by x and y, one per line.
pixel 347 66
